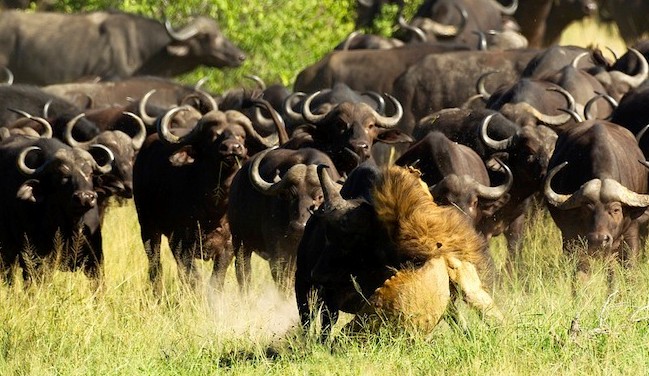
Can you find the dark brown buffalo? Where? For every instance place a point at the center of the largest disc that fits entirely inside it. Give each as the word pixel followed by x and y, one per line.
pixel 350 67
pixel 48 214
pixel 347 131
pixel 271 199
pixel 108 45
pixel 596 190
pixel 181 184
pixel 447 80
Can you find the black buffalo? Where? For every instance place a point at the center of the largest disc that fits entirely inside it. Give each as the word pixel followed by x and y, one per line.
pixel 49 207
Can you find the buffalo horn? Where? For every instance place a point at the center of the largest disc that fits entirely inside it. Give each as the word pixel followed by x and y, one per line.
pixel 47 127
pixel 306 111
pixel 639 77
pixel 261 85
pixel 330 192
pixel 181 35
pixel 494 193
pixel 148 120
pixel 490 142
pixel 480 85
pixel 419 33
pixel 556 199
pixel 446 30
pixel 589 104
pixel 163 126
pixel 110 157
pixel 389 121
pixel 20 161
pixel 288 106
pixel 138 139
pixel 10 76
pixel 639 135
pixel 509 10
pixel 67 133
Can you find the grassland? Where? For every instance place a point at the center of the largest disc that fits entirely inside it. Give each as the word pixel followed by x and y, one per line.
pixel 63 327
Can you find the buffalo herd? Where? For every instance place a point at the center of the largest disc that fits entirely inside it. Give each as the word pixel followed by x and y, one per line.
pixel 372 187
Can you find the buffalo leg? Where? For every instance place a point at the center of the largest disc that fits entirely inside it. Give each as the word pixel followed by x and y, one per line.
pixel 151 241
pixel 184 251
pixel 282 271
pixel 242 266
pixel 222 260
pixel 93 266
pixel 513 234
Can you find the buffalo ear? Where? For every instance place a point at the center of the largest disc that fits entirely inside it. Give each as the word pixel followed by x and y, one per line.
pixel 393 136
pixel 178 50
pixel 30 191
pixel 635 213
pixel 183 156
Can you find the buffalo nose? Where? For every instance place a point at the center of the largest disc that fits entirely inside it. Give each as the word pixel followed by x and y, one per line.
pixel 231 148
pixel 600 240
pixel 86 199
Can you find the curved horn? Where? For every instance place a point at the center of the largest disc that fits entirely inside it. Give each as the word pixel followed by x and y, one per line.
pixel 349 39
pixel 556 120
pixel 306 111
pixel 419 33
pixel 182 35
pixel 490 142
pixel 148 120
pixel 480 85
pixel 575 61
pixel 203 98
pixel 260 83
pixel 200 83
pixel 22 166
pixel 610 100
pixel 639 77
pixel 390 121
pixel 569 98
pixel 331 194
pixel 10 76
pixel 277 120
pixel 110 157
pixel 163 126
pixel 67 133
pixel 558 200
pixel 494 193
pixel 639 135
pixel 482 40
pixel 288 107
pixel 47 127
pixel 380 102
pixel 140 136
pixel 509 10
pixel 46 109
pixel 573 114
pixel 446 30
pixel 296 172
pixel 612 52
pixel 624 194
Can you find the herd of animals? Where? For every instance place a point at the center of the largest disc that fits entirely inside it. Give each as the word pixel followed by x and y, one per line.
pixel 376 181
